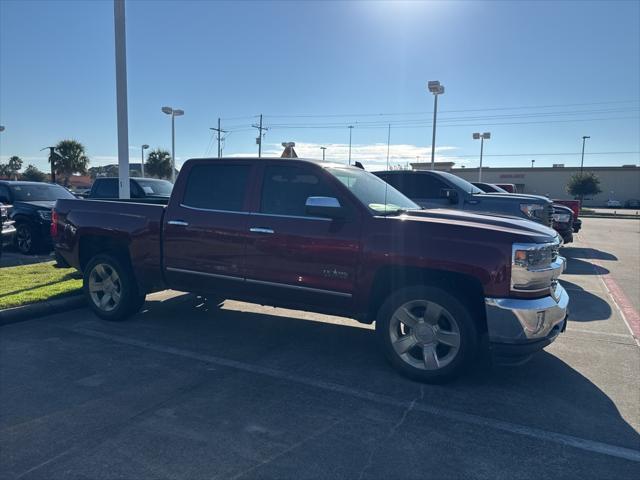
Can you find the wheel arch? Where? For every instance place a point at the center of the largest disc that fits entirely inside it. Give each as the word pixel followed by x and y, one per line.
pixel 466 288
pixel 92 245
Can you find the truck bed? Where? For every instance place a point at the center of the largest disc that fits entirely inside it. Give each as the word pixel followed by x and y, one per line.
pixel 135 226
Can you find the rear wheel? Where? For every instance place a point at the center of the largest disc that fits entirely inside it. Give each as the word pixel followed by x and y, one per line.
pixel 427 334
pixel 110 288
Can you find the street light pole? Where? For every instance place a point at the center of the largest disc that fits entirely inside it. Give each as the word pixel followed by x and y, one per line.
pixel 437 89
pixel 584 138
pixel 142 149
pixel 121 98
pixel 481 137
pixel 174 112
pixel 532 163
pixel 323 150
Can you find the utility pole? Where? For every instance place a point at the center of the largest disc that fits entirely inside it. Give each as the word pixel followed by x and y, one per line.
pixel 259 139
pixel 323 150
pixel 220 132
pixel 388 144
pixel 584 138
pixel 350 131
pixel 532 163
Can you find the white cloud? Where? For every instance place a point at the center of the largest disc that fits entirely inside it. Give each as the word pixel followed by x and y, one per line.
pixel 372 156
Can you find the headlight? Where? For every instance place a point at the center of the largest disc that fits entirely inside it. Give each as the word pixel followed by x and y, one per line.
pixel 535 267
pixel 531 209
pixel 45 214
pixel 561 217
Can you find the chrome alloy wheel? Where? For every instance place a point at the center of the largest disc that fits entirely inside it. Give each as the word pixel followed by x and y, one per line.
pixel 105 287
pixel 424 335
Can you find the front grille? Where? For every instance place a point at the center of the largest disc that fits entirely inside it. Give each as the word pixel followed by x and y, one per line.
pixel 547 215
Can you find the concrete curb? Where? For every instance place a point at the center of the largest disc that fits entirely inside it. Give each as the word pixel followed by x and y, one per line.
pixel 34 310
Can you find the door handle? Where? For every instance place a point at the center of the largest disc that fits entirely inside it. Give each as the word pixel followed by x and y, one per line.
pixel 182 223
pixel 260 230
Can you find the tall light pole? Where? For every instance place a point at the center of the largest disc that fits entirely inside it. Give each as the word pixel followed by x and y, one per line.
pixel 532 163
pixel 481 137
pixel 323 150
pixel 142 149
pixel 121 98
pixel 584 139
pixel 174 112
pixel 437 89
pixel 350 131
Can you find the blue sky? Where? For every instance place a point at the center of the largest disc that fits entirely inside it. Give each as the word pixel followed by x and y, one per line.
pixel 537 75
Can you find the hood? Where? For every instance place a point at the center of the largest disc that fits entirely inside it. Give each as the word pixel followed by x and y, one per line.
pixel 519 196
pixel 512 225
pixel 36 204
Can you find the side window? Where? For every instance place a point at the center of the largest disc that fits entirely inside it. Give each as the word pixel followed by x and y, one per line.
pixel 428 186
pixel 285 190
pixel 217 187
pixel 107 188
pixel 135 190
pixel 4 194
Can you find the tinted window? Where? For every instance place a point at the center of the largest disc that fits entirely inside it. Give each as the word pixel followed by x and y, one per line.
pixel 4 194
pixel 39 192
pixel 217 187
pixel 285 190
pixel 106 188
pixel 155 187
pixel 416 185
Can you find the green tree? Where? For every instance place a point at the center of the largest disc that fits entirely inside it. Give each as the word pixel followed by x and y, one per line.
pixel 71 158
pixel 15 164
pixel 32 174
pixel 158 164
pixel 4 170
pixel 584 185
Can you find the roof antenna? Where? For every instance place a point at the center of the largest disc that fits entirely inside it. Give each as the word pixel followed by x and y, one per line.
pixel 359 165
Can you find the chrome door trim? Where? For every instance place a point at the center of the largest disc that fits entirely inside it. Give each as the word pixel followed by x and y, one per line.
pixel 299 217
pixel 213 210
pixel 181 223
pixel 298 287
pixel 205 274
pixel 260 230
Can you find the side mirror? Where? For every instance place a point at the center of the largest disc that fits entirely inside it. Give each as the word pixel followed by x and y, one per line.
pixel 450 194
pixel 324 207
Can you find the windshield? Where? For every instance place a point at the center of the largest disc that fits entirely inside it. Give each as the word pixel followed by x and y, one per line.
pixel 461 183
pixel 155 187
pixel 39 192
pixel 375 193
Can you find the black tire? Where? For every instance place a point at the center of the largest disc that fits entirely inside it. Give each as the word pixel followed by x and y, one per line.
pixel 454 323
pixel 129 300
pixel 27 241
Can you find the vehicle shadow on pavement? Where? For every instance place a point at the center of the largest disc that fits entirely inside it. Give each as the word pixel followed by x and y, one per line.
pixel 576 266
pixel 584 306
pixel 587 253
pixel 545 393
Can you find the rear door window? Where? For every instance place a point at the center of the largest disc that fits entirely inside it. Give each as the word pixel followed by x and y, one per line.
pixel 107 188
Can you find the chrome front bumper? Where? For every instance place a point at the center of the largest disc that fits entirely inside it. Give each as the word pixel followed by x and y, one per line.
pixel 527 323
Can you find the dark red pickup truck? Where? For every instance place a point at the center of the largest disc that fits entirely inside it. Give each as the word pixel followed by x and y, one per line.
pixel 439 284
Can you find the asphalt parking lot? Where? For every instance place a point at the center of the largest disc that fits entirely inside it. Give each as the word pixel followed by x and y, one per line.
pixel 184 391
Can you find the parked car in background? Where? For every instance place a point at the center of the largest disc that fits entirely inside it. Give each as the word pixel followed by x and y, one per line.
pixel 332 239
pixel 509 187
pixel 614 203
pixel 433 189
pixel 150 190
pixel 563 222
pixel 559 226
pixel 31 211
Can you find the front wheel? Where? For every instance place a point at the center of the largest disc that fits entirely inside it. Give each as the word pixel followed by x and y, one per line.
pixel 26 239
pixel 427 334
pixel 110 288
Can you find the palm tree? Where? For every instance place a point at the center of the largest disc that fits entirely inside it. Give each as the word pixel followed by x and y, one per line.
pixel 70 159
pixel 4 170
pixel 158 164
pixel 15 164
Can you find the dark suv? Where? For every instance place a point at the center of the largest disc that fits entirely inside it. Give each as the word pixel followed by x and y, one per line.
pixel 150 190
pixel 31 211
pixel 432 189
